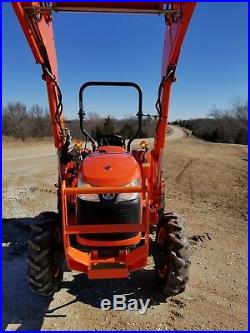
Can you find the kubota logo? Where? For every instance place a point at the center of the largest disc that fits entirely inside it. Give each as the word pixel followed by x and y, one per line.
pixel 108 196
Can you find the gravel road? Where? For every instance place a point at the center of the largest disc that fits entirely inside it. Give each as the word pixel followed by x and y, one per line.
pixel 206 183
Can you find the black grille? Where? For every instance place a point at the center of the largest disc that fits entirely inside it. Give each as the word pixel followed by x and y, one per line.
pixel 105 212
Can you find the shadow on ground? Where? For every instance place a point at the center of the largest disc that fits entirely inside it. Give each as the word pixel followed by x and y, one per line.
pixel 140 285
pixel 23 310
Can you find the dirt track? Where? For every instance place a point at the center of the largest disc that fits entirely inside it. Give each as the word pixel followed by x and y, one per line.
pixel 206 183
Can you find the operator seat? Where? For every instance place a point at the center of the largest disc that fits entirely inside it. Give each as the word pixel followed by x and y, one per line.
pixel 111 140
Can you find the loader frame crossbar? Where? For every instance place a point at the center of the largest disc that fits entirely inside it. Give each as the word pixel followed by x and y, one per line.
pixel 38 9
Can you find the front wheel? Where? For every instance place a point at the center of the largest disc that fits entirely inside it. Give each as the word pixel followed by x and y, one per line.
pixel 171 255
pixel 45 255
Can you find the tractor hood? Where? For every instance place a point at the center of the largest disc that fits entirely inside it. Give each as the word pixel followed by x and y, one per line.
pixel 110 169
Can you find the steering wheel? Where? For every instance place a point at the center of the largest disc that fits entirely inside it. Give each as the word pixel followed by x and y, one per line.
pixel 111 140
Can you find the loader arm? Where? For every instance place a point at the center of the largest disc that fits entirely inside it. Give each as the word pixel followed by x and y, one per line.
pixel 38 31
pixel 176 27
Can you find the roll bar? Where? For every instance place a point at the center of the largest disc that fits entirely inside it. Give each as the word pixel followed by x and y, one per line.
pixel 111 84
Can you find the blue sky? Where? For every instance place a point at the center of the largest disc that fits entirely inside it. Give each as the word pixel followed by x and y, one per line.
pixel 212 69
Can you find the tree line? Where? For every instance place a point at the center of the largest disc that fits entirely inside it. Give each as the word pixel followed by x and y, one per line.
pixel 226 126
pixel 22 122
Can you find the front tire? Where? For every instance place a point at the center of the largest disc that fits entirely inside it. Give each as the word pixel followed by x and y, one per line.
pixel 171 255
pixel 45 255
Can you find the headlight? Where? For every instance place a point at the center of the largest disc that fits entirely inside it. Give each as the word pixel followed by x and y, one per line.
pixel 129 196
pixel 108 196
pixel 87 197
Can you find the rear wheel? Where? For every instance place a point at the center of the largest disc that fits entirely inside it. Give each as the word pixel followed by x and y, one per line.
pixel 45 255
pixel 171 255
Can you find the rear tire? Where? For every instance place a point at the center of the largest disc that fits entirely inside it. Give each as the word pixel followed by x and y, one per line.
pixel 171 255
pixel 45 255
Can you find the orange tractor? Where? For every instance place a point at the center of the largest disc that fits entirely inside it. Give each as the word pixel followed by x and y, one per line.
pixel 110 194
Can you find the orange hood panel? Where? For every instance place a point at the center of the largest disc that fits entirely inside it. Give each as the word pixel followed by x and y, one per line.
pixel 110 169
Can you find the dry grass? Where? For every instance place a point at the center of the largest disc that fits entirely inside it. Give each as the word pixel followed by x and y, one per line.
pixel 11 142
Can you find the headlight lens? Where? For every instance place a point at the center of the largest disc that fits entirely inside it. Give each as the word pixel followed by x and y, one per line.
pixel 129 196
pixel 108 196
pixel 87 197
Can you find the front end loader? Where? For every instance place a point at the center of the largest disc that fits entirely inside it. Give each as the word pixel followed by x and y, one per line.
pixel 111 193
